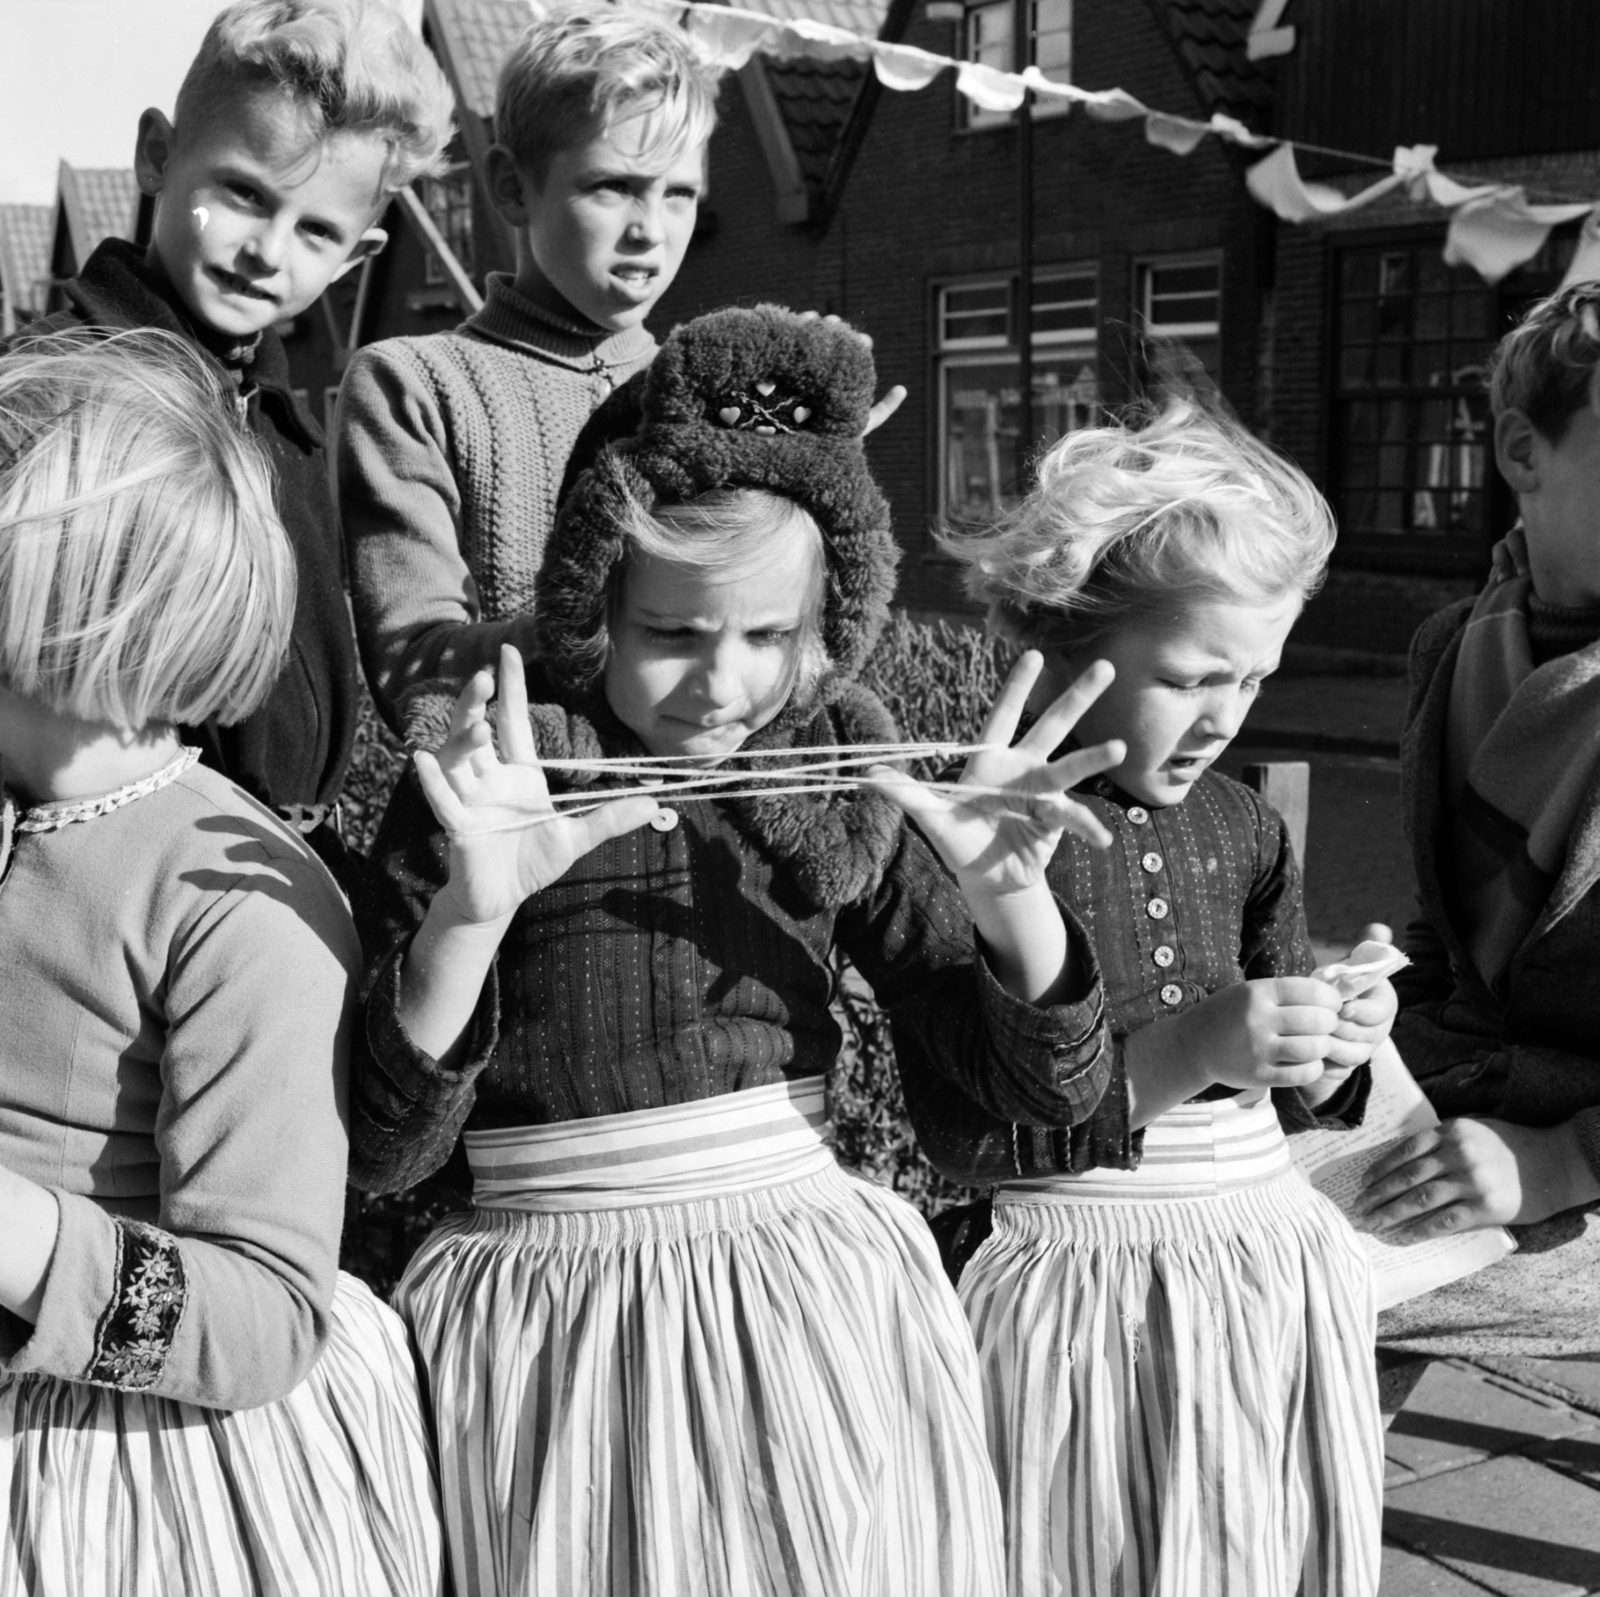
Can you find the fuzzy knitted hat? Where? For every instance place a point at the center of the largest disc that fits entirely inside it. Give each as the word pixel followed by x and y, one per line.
pixel 741 398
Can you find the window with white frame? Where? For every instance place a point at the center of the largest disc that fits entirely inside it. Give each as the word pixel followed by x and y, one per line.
pixel 448 202
pixel 983 461
pixel 1180 297
pixel 990 26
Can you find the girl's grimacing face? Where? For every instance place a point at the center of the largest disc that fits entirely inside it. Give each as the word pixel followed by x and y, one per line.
pixel 698 663
pixel 1183 686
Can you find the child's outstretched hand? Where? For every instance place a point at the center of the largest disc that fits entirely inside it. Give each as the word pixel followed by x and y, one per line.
pixel 507 839
pixel 999 834
pixel 998 837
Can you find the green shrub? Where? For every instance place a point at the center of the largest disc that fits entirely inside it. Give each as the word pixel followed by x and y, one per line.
pixel 939 681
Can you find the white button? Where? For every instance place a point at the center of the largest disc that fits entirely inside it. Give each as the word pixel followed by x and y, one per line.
pixel 1172 995
pixel 1152 862
pixel 1138 814
pixel 1164 956
pixel 664 819
pixel 1156 909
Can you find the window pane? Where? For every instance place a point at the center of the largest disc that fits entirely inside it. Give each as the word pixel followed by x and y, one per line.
pixel 989 35
pixel 981 474
pixel 1065 304
pixel 979 310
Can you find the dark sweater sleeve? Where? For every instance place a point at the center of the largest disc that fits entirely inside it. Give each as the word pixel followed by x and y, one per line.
pixel 1276 942
pixel 973 1060
pixel 406 1110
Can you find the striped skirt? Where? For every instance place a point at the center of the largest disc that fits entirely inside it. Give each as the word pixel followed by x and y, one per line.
pixel 1178 1374
pixel 678 1353
pixel 328 1492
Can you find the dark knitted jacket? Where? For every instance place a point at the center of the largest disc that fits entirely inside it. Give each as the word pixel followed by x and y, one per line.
pixel 671 966
pixel 1188 899
pixel 295 749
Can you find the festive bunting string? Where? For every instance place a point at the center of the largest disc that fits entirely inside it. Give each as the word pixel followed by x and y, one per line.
pixel 1494 227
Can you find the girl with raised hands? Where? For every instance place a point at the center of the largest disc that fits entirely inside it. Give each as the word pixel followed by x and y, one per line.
pixel 673 1348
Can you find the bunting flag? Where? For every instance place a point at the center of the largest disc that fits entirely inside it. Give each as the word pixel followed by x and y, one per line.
pixel 1494 227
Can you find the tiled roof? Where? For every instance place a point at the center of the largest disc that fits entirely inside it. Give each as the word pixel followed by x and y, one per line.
pixel 25 232
pixel 100 202
pixel 859 16
pixel 1209 36
pixel 472 38
pixel 815 99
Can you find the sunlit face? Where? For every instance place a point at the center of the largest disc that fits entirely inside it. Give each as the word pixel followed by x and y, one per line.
pixel 605 232
pixel 252 220
pixel 1183 686
pixel 697 663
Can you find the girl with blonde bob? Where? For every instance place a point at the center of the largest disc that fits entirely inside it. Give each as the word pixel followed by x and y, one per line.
pixel 191 1397
pixel 1174 1330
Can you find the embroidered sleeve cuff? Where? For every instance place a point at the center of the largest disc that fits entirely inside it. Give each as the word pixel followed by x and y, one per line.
pixel 86 1279
pixel 1056 1058
pixel 1103 1141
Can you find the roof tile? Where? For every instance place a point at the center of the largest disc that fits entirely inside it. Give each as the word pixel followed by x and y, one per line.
pixel 25 236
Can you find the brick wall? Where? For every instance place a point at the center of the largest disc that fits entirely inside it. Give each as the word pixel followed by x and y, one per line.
pixel 927 200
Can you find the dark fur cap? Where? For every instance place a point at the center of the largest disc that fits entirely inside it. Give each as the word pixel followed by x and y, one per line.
pixel 741 398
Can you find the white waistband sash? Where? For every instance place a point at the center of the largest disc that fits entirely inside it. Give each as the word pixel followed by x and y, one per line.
pixel 1193 1151
pixel 738 1142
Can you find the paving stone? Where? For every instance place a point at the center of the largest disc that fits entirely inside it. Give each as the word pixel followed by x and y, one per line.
pixel 1572 1455
pixel 1406 1574
pixel 1514 1526
pixel 1577 1380
pixel 1459 1416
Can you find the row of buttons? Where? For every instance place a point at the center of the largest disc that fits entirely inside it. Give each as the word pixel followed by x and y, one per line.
pixel 1157 909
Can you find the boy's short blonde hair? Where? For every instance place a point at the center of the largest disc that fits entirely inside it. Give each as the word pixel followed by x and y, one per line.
pixel 347 66
pixel 144 575
pixel 1128 521
pixel 1548 365
pixel 582 68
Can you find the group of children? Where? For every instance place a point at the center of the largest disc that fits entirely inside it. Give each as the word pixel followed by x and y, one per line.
pixel 671 1347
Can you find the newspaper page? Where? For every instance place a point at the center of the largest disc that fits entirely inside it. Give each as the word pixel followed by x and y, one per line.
pixel 1336 1164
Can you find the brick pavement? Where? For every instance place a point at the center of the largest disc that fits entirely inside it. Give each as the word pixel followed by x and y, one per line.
pixel 1493 1469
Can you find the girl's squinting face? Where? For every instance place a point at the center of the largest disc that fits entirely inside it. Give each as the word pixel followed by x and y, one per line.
pixel 698 663
pixel 1184 684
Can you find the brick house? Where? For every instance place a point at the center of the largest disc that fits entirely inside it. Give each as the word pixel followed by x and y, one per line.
pixel 1379 347
pixel 24 263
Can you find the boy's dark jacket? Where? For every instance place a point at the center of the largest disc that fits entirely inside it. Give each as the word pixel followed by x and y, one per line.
pixel 293 752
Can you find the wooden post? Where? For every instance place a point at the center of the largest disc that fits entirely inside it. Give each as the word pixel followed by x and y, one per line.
pixel 1286 786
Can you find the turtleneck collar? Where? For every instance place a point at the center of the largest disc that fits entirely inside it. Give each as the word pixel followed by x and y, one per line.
pixel 1555 630
pixel 511 318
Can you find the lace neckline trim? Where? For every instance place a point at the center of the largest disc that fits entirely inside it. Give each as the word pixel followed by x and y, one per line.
pixel 53 816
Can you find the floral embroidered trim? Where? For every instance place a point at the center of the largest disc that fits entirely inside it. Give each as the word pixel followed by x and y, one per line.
pixel 136 1332
pixel 63 812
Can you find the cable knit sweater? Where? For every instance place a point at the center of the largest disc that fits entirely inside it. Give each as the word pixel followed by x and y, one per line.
pixel 451 450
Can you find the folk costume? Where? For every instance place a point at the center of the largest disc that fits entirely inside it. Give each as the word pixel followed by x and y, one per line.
pixel 204 1404
pixel 674 1349
pixel 1175 1330
pixel 1501 789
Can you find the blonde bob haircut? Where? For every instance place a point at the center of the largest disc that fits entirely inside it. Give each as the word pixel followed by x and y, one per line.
pixel 1134 521
pixel 144 575
pixel 345 66
pixel 720 535
pixel 581 69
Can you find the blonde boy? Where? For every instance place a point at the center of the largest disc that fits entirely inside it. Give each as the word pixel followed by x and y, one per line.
pixel 295 123
pixel 452 447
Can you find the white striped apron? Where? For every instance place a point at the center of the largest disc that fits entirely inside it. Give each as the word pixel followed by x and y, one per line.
pixel 679 1353
pixel 328 1492
pixel 1178 1373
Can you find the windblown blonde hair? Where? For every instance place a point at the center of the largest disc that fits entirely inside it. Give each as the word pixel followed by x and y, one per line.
pixel 144 575
pixel 1132 521
pixel 584 67
pixel 346 66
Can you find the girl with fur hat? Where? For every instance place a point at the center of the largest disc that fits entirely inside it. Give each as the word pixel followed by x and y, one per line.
pixel 192 1397
pixel 672 1348
pixel 1175 1330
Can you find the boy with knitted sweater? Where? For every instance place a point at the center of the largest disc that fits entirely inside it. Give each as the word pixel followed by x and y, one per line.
pixel 452 447
pixel 295 124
